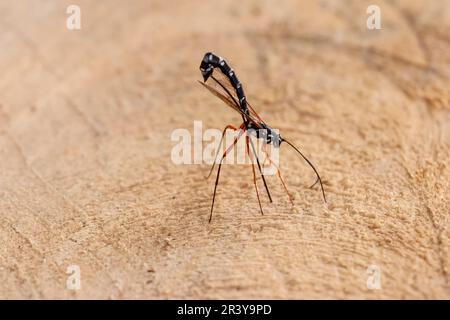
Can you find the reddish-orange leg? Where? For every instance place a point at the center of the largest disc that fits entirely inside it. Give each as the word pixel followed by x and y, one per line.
pixel 278 173
pixel 241 131
pixel 220 145
pixel 260 170
pixel 247 142
pixel 230 127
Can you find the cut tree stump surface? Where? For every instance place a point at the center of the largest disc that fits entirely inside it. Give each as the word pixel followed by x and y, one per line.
pixel 86 118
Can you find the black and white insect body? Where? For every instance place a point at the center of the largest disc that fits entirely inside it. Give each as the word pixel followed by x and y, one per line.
pixel 252 122
pixel 266 133
pixel 210 62
pixel 262 130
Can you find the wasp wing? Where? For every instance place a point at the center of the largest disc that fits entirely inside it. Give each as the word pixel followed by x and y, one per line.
pixel 231 103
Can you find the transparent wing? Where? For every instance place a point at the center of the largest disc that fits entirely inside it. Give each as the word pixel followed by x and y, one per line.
pixel 253 113
pixel 222 84
pixel 232 104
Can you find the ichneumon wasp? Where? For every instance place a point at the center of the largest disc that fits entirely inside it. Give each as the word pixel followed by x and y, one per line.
pixel 226 86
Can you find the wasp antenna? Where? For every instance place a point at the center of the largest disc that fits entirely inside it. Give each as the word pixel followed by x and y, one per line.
pixel 311 165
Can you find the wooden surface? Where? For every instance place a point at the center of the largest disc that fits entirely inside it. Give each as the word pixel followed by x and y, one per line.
pixel 87 179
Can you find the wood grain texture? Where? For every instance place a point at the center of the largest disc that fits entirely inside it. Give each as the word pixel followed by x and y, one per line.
pixel 86 175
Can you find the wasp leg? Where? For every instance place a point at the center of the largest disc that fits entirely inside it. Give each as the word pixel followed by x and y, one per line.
pixel 291 199
pixel 241 131
pixel 247 138
pixel 260 170
pixel 220 144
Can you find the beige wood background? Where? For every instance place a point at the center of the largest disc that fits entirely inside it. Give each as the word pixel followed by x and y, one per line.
pixel 85 171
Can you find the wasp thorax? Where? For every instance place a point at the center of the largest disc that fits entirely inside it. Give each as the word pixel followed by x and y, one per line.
pixel 266 133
